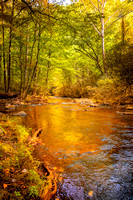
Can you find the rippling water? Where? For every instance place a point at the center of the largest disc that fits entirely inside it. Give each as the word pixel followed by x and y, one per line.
pixel 91 148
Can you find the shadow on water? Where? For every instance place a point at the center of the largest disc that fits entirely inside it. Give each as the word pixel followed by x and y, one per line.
pixel 91 148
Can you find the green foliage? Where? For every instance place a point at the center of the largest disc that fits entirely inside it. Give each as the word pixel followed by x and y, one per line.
pixel 33 191
pixel 76 91
pixel 60 46
pixel 108 91
pixel 120 64
pixel 19 172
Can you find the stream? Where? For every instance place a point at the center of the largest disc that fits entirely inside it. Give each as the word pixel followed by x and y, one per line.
pixel 89 147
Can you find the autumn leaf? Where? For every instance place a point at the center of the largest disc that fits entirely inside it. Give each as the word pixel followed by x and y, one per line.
pixel 7 171
pixel 5 185
pixel 90 193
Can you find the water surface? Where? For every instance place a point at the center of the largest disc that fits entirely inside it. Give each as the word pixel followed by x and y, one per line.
pixel 91 148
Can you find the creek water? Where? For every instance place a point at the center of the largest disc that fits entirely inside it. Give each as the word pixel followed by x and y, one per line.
pixel 90 148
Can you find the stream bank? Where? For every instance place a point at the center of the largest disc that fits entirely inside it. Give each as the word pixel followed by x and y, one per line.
pixel 22 174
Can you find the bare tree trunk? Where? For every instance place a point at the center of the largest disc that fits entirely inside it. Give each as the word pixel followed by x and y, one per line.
pixel 4 61
pixel 31 57
pixel 20 66
pixel 0 66
pixel 10 45
pixel 25 71
pixel 123 30
pixel 35 67
pixel 102 38
pixel 36 81
pixel 48 67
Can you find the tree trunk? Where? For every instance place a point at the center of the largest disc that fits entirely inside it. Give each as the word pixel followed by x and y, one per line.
pixel 4 61
pixel 48 67
pixel 9 52
pixel 35 67
pixel 102 38
pixel 0 66
pixel 31 57
pixel 123 30
pixel 20 66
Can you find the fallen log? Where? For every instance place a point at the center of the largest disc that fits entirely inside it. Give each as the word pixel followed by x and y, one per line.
pixel 8 95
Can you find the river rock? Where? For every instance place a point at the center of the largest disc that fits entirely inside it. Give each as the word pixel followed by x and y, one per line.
pixel 129 108
pixel 21 113
pixel 125 113
pixel 68 190
pixel 94 105
pixel 9 106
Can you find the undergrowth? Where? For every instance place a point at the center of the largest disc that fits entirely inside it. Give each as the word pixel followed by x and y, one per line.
pixel 107 91
pixel 20 177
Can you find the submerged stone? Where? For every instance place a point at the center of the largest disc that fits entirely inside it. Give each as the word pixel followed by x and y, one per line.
pixel 21 113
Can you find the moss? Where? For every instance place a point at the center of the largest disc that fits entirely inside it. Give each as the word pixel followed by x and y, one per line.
pixel 19 171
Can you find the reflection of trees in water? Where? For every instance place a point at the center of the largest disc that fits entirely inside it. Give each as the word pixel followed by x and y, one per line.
pixel 31 120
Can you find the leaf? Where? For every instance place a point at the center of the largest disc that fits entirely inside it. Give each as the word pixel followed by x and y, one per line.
pixel 7 171
pixel 5 185
pixel 90 193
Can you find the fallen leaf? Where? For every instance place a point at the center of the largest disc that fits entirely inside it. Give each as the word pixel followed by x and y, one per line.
pixel 13 180
pixel 7 171
pixel 4 185
pixel 60 179
pixel 90 193
pixel 24 171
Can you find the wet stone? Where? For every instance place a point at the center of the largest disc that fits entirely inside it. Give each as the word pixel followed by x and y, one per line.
pixel 21 113
pixel 107 147
pixel 68 190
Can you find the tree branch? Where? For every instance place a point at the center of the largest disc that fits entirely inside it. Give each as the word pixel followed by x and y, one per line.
pixel 118 19
pixel 94 5
pixel 111 16
pixel 28 5
pixel 18 12
pixel 96 28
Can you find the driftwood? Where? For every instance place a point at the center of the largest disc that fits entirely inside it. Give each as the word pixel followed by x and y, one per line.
pixel 37 133
pixel 51 189
pixel 34 139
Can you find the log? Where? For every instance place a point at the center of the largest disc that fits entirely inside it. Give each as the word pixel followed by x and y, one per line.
pixel 8 96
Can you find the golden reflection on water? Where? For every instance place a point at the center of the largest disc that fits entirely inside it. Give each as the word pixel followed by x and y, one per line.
pixel 69 128
pixel 81 141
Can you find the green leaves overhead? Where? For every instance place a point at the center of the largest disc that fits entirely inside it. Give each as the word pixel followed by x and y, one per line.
pixel 41 42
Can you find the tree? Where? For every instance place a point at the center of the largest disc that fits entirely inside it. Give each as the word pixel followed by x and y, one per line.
pixel 107 13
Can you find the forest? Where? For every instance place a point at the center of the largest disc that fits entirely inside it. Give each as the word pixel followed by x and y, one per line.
pixel 80 50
